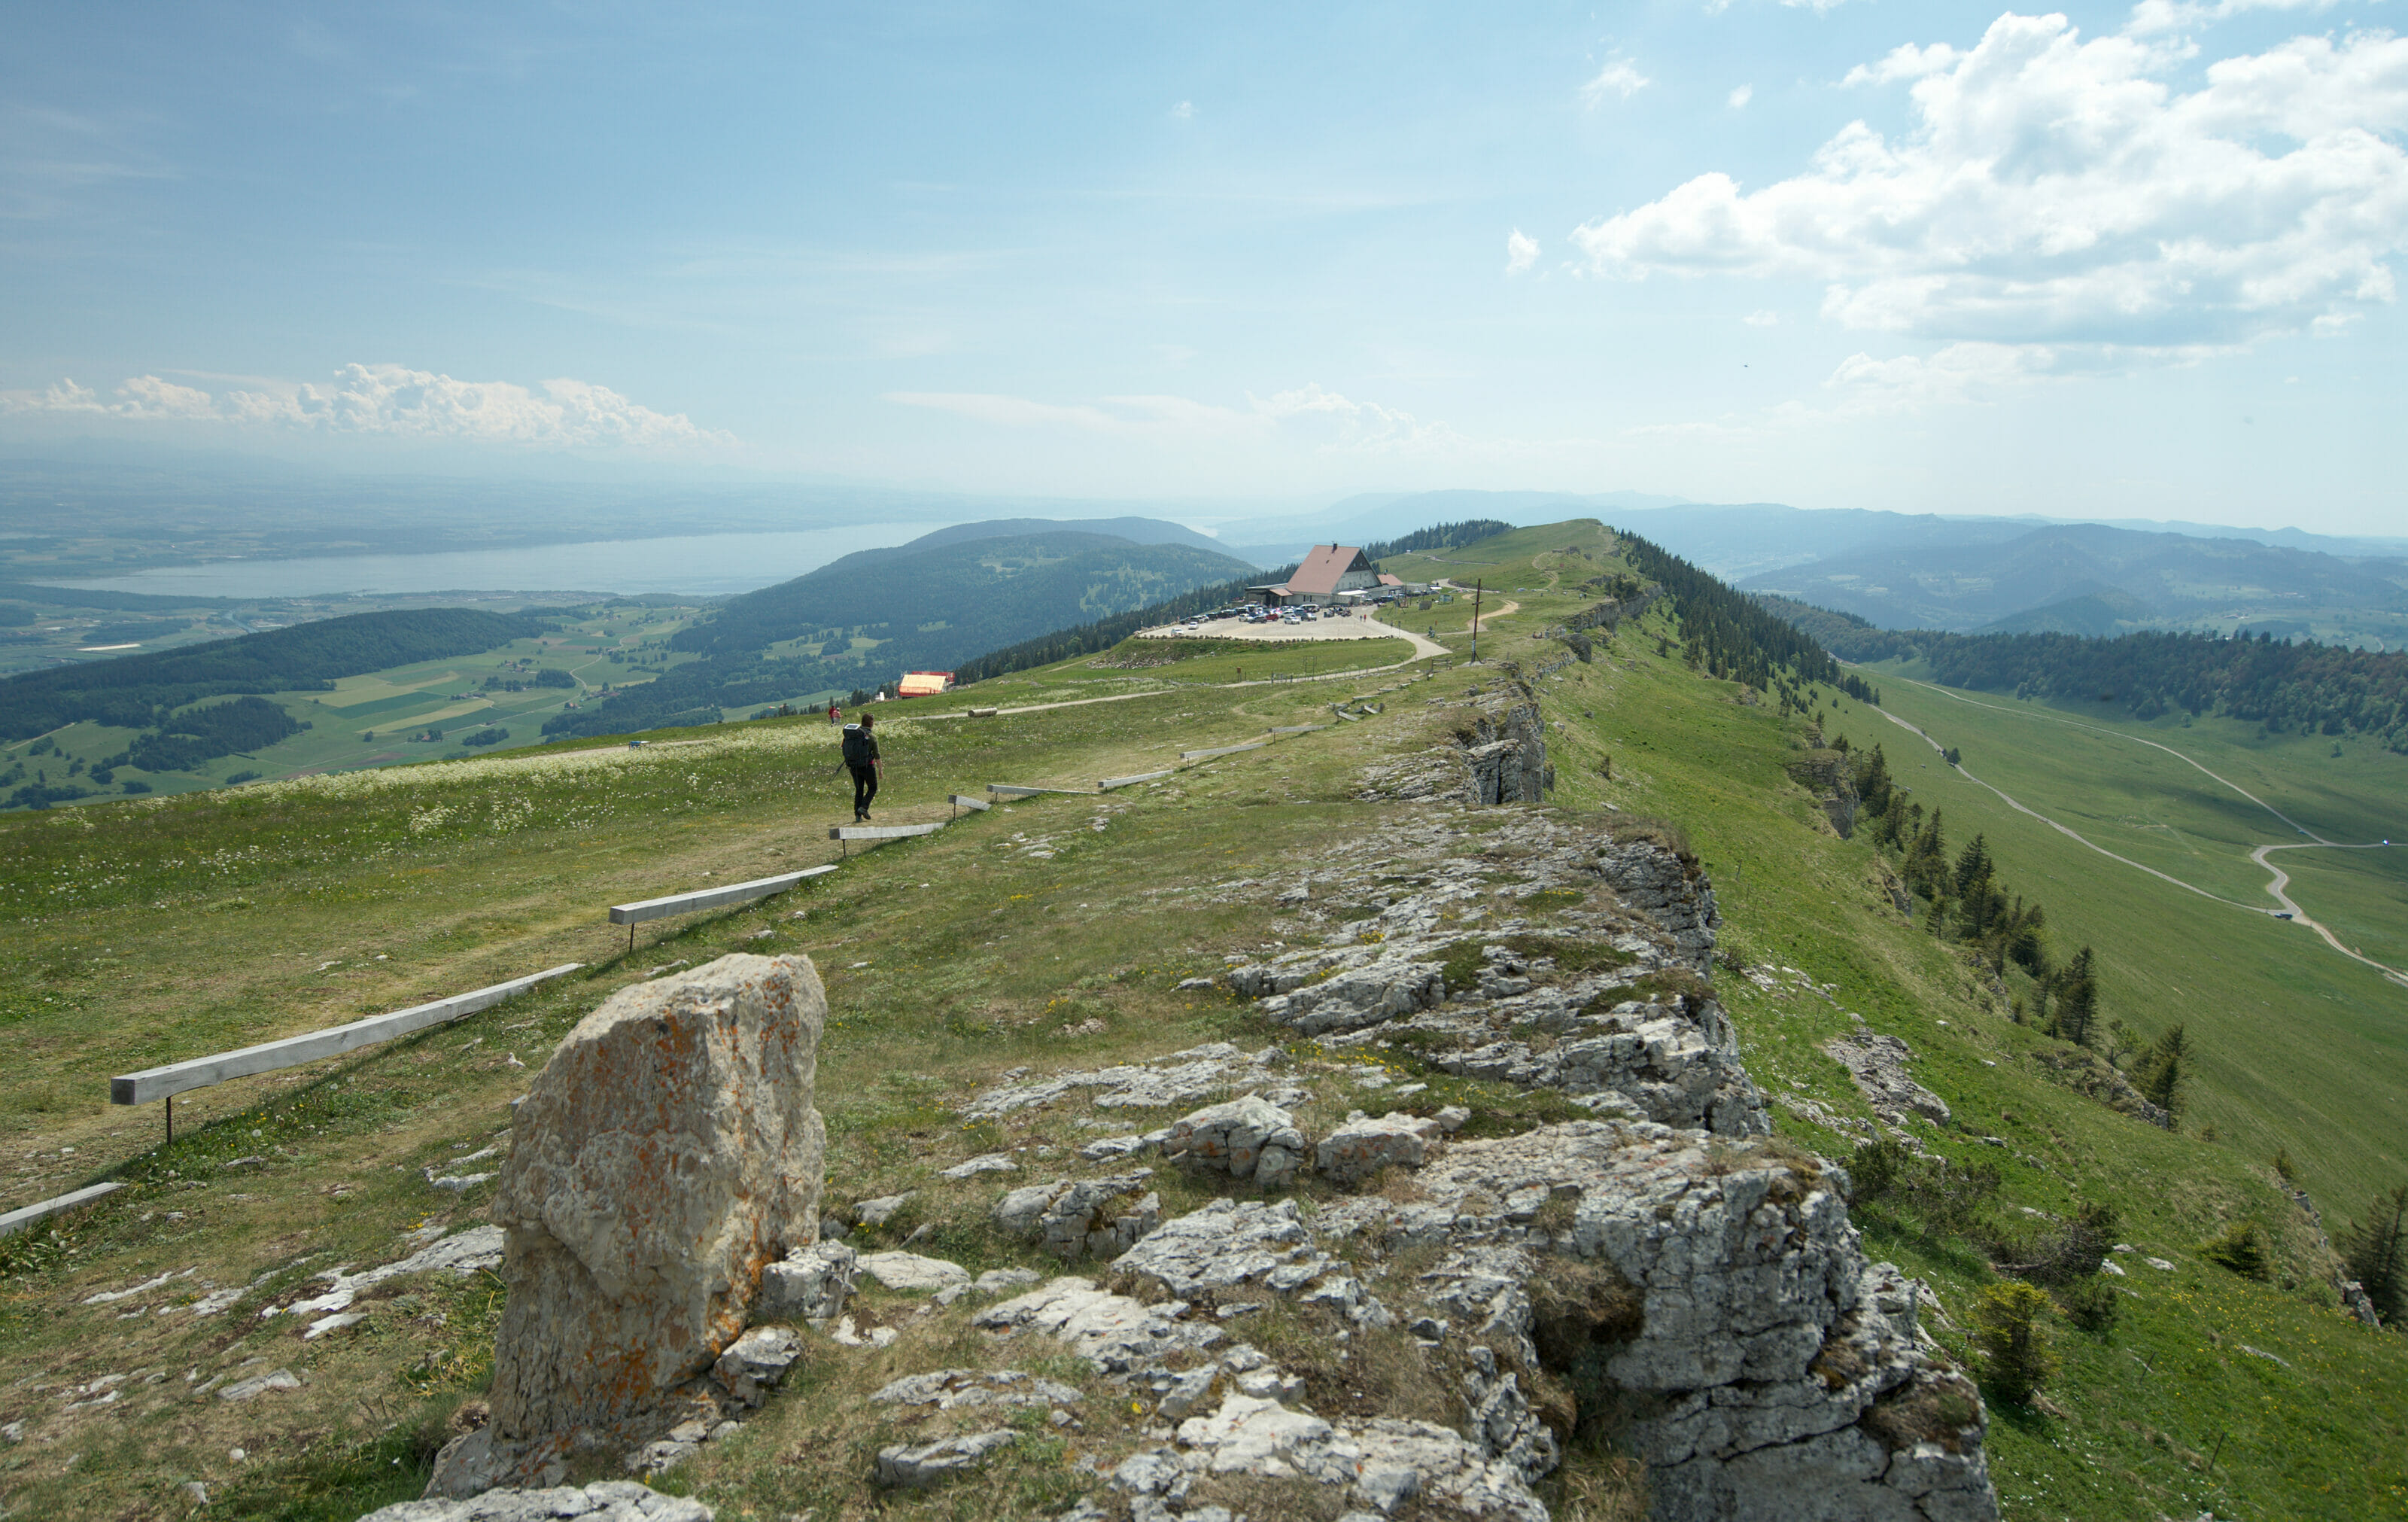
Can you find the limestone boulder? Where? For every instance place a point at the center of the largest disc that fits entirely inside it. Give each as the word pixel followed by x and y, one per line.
pixel 810 1283
pixel 1085 1217
pixel 666 1155
pixel 1248 1138
pixel 1361 1147
pixel 608 1500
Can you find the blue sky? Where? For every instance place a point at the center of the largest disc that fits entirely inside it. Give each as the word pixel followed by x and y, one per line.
pixel 2117 261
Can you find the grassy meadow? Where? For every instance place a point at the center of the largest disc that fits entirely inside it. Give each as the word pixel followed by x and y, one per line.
pixel 1052 932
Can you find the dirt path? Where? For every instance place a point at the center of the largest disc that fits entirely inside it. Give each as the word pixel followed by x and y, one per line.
pixel 2279 879
pixel 2283 880
pixel 1500 611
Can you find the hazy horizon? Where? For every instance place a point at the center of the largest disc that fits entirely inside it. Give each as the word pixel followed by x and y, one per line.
pixel 2129 261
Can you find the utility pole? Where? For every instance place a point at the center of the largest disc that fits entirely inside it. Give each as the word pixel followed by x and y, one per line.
pixel 1477 583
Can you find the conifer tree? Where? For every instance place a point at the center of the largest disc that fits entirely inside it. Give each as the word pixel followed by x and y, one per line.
pixel 2077 1000
pixel 2164 1069
pixel 2374 1251
pixel 2013 1340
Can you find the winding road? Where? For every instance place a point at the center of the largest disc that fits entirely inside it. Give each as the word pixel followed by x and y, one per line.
pixel 2279 879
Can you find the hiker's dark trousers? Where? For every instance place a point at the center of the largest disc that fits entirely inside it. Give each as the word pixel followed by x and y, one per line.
pixel 865 788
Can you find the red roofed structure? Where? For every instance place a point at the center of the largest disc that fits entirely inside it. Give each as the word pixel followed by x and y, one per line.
pixel 1326 571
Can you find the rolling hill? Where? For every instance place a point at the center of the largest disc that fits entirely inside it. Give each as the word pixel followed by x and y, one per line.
pixel 2090 579
pixel 863 621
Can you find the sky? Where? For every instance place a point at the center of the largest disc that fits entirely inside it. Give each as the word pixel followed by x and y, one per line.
pixel 2117 261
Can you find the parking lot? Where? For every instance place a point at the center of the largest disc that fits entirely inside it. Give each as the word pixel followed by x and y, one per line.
pixel 1341 623
pixel 1338 623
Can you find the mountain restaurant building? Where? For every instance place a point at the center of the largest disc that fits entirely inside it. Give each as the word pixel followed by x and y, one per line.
pixel 1326 571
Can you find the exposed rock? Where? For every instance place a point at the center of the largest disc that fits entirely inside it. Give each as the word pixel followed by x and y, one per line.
pixel 1604 1004
pixel 1737 1302
pixel 1248 1139
pixel 2087 1072
pixel 810 1284
pixel 463 1253
pixel 1503 1423
pixel 1182 1078
pixel 910 1271
pixel 757 1363
pixel 1826 774
pixel 994 1162
pixel 259 1385
pixel 1508 757
pixel 1362 1146
pixel 1117 1333
pixel 1084 1218
pixel 665 1156
pixel 919 1465
pixel 607 1500
pixel 1499 756
pixel 1381 1462
pixel 954 1390
pixel 1878 1065
pixel 1228 1246
pixel 879 1210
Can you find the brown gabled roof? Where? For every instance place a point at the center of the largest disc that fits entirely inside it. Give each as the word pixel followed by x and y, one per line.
pixel 1322 569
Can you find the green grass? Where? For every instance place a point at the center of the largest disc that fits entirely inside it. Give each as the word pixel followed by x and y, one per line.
pixel 167 928
pixel 2298 1048
pixel 393 705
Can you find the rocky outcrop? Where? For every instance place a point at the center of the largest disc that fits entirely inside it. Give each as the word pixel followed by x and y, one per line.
pixel 1825 774
pixel 1497 755
pixel 609 1500
pixel 1600 999
pixel 666 1155
pixel 1878 1066
pixel 1250 1138
pixel 1507 753
pixel 1358 1150
pixel 1075 1218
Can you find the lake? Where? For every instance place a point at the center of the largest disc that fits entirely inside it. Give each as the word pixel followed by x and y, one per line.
pixel 701 564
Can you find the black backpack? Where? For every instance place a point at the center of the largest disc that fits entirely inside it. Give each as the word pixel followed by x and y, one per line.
pixel 856 746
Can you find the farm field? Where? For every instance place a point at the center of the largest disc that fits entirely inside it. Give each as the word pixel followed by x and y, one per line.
pixel 399 714
pixel 1038 934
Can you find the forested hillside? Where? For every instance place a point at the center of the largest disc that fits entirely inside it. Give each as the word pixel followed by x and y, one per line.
pixel 140 691
pixel 2291 687
pixel 865 620
pixel 1729 635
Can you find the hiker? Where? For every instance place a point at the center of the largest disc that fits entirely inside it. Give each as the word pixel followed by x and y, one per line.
pixel 833 716
pixel 861 759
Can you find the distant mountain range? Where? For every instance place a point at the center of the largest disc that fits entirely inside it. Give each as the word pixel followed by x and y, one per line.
pixel 934 604
pixel 1921 570
pixel 2092 580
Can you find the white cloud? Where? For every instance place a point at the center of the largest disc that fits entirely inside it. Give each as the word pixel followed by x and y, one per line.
pixel 2153 16
pixel 1956 373
pixel 1184 110
pixel 1763 318
pixel 1740 97
pixel 394 401
pixel 2057 191
pixel 1310 414
pixel 1620 77
pixel 1520 252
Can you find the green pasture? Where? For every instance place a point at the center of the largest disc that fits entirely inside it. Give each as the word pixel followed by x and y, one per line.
pixel 2300 1048
pixel 392 705
pixel 148 929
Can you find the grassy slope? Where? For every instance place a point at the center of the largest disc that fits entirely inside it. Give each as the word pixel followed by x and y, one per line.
pixel 2300 1048
pixel 334 741
pixel 186 924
